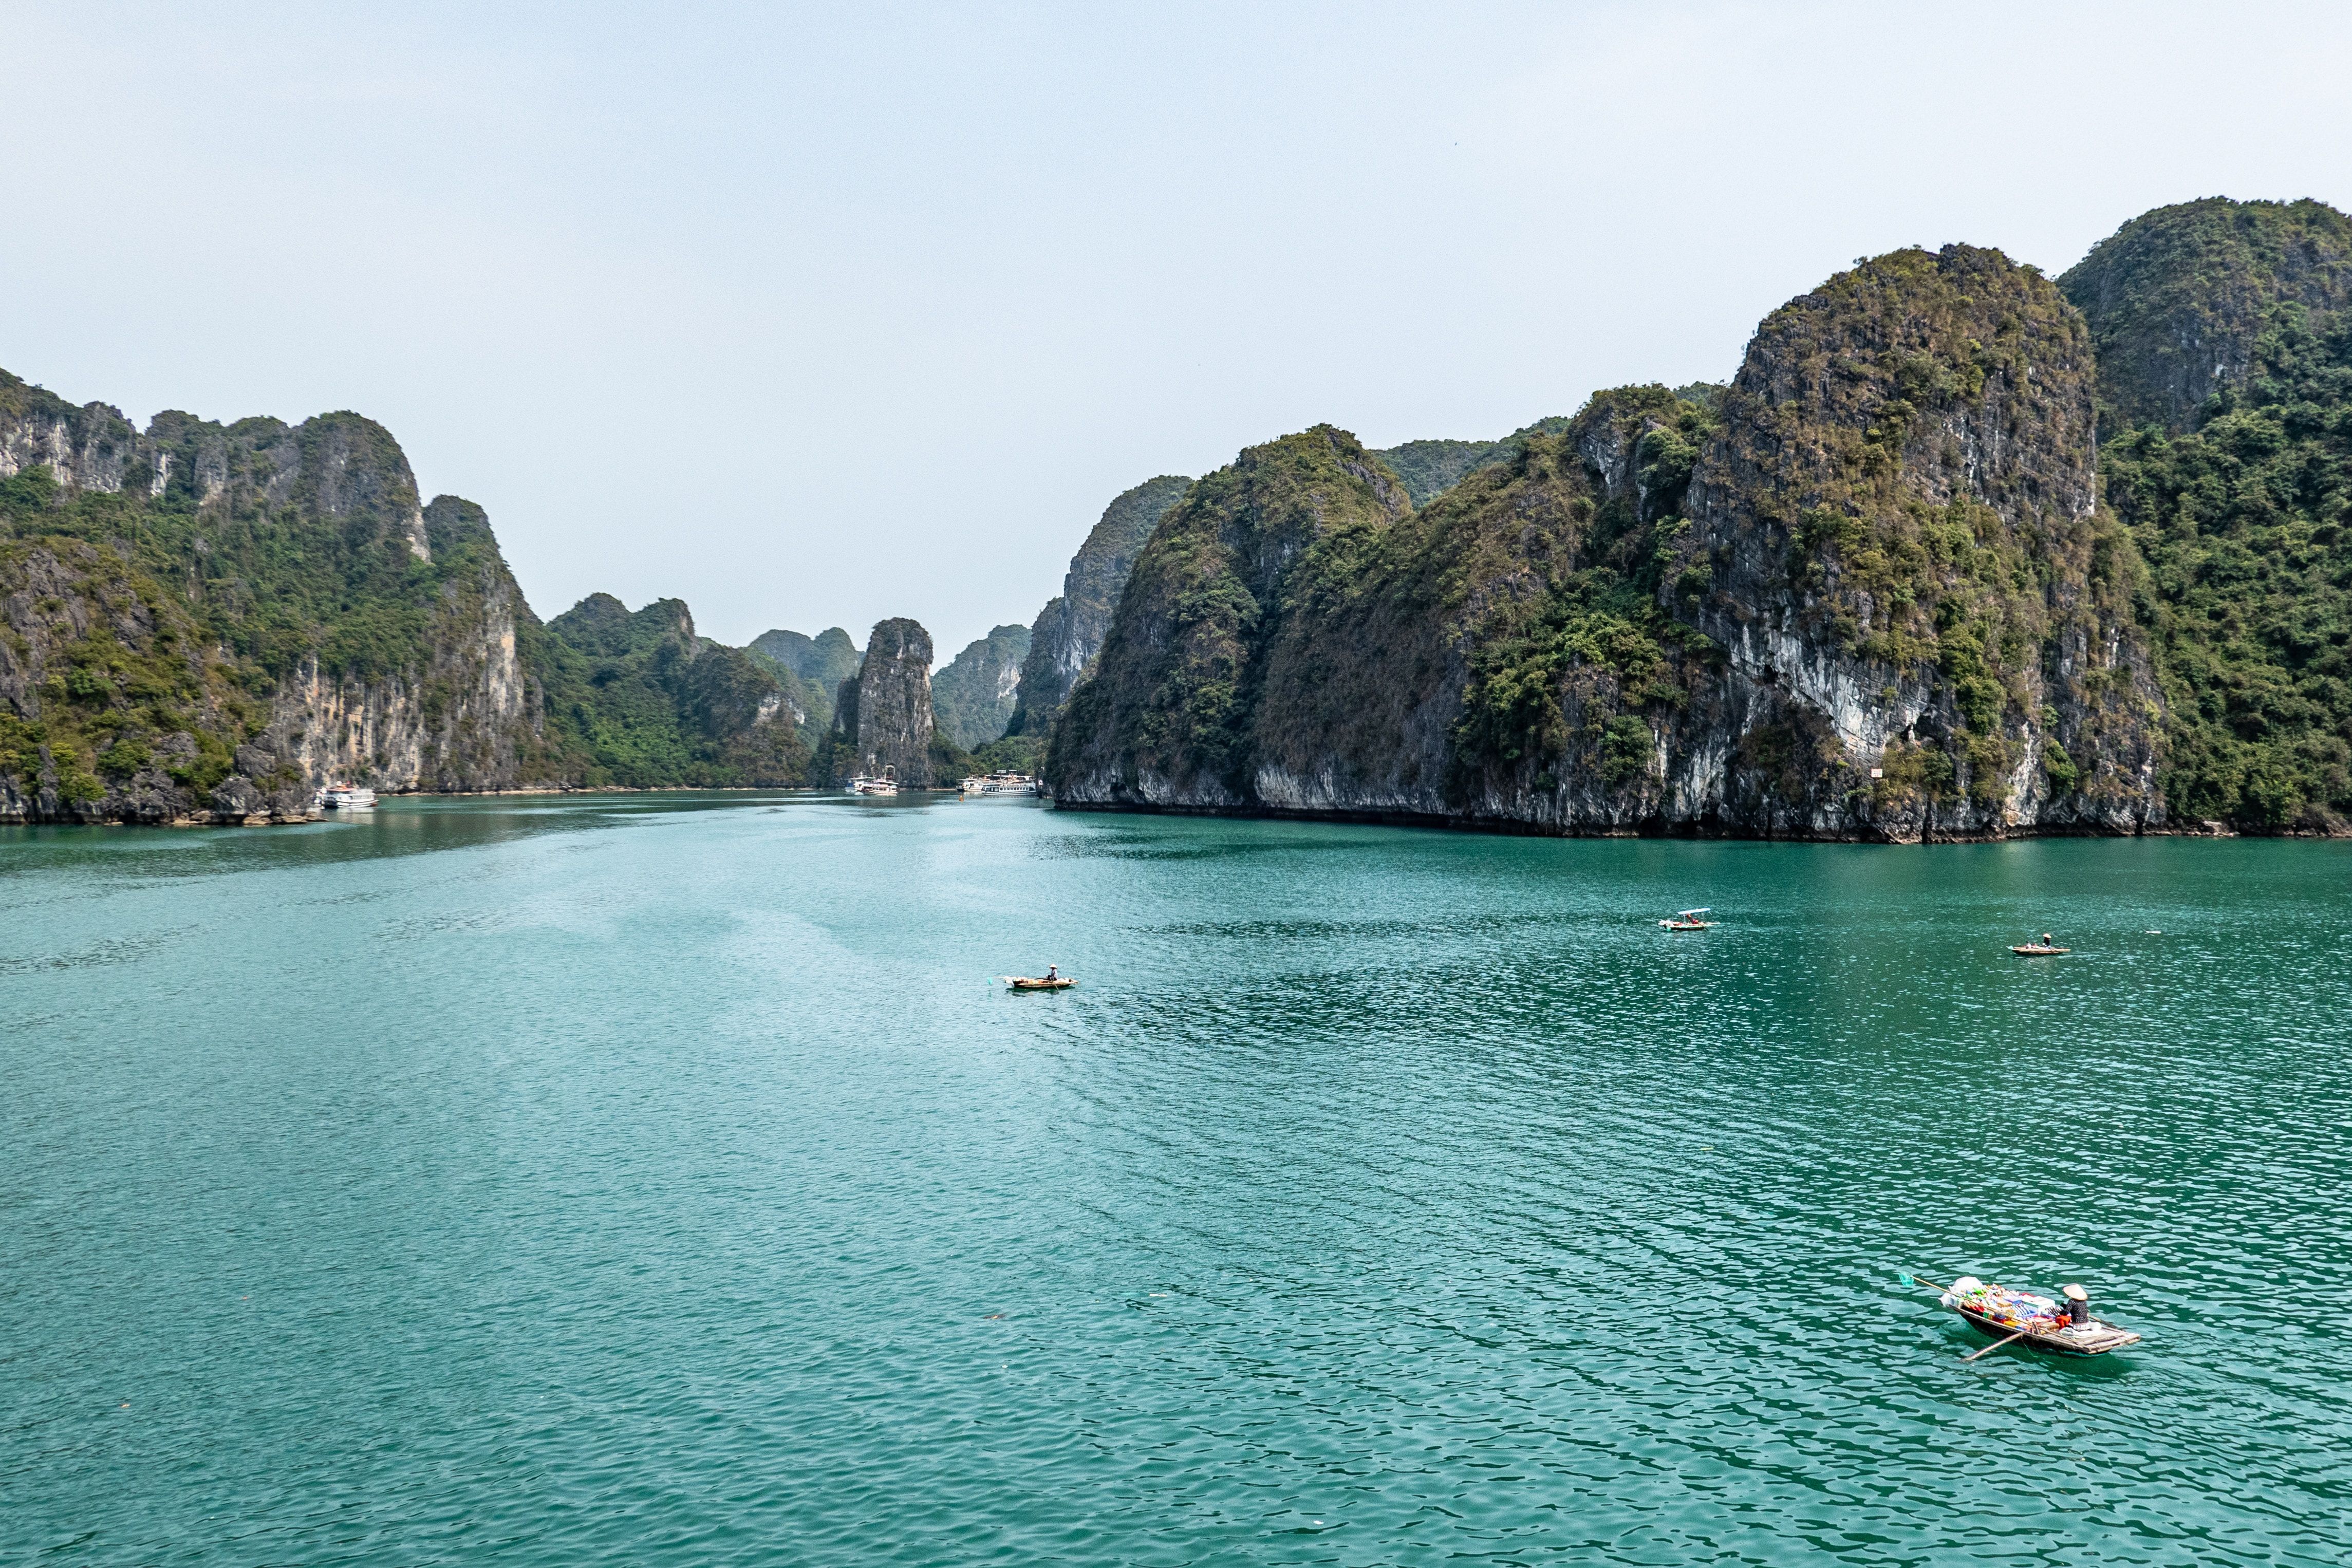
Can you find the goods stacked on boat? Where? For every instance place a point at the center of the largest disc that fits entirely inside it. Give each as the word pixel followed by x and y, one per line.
pixel 2010 1309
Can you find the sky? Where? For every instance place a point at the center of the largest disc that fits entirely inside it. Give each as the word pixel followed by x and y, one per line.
pixel 815 315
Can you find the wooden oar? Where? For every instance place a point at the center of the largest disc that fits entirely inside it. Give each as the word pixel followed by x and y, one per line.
pixel 1973 1355
pixel 1997 1344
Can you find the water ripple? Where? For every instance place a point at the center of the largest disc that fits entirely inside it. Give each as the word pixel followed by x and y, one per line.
pixel 668 1180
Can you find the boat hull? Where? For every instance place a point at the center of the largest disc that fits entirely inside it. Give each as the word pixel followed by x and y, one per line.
pixel 2114 1338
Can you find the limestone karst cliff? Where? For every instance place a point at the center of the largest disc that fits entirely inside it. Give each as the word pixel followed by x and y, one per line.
pixel 2177 299
pixel 206 621
pixel 1069 633
pixel 1866 592
pixel 882 716
pixel 975 695
pixel 2233 471
pixel 1430 468
pixel 1896 539
pixel 1168 715
pixel 646 701
pixel 820 663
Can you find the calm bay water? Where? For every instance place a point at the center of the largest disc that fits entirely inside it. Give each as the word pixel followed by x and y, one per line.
pixel 666 1180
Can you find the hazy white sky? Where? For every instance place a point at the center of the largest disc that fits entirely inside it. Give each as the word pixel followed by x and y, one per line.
pixel 811 316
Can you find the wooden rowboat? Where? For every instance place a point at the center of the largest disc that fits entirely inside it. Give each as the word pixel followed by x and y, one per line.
pixel 1027 983
pixel 2036 950
pixel 2024 1318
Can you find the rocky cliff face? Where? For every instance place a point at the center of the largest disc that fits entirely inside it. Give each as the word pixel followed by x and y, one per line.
pixel 207 621
pixel 1168 715
pixel 820 664
pixel 883 717
pixel 643 702
pixel 1867 592
pixel 2177 297
pixel 1069 633
pixel 462 717
pixel 2234 475
pixel 974 699
pixel 1896 539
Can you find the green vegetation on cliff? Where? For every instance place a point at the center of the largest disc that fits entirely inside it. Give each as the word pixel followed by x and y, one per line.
pixel 175 582
pixel 2246 525
pixel 972 699
pixel 645 703
pixel 1594 626
pixel 820 664
pixel 1430 468
pixel 1068 632
pixel 2177 297
pixel 2225 370
pixel 1908 468
pixel 1171 700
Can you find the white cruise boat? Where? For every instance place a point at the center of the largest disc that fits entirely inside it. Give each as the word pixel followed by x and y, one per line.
pixel 1001 784
pixel 346 797
pixel 886 785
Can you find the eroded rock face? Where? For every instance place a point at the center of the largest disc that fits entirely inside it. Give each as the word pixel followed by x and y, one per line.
pixel 1069 632
pixel 974 697
pixel 884 715
pixel 1168 718
pixel 820 664
pixel 1897 542
pixel 293 565
pixel 2178 296
pixel 452 723
pixel 1866 592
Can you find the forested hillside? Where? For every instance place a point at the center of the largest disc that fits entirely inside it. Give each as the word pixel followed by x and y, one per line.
pixel 2227 366
pixel 207 622
pixel 1958 552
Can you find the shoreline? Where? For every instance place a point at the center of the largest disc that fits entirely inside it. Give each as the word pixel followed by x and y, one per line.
pixel 1499 826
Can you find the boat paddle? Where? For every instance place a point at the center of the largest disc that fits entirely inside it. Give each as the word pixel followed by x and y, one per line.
pixel 1930 1284
pixel 1995 1345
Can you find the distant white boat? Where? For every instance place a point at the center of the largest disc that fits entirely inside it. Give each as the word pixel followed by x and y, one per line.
pixel 887 784
pixel 346 797
pixel 999 784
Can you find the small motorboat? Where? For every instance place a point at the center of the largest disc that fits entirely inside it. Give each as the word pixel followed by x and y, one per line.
pixel 2019 1315
pixel 1032 983
pixel 2041 949
pixel 1689 919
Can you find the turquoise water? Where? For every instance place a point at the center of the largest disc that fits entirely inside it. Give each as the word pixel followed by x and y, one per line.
pixel 665 1180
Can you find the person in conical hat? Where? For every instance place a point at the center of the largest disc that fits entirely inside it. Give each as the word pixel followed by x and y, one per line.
pixel 2078 1305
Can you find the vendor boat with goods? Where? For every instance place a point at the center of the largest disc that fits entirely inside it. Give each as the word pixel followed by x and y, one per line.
pixel 1689 919
pixel 2065 1325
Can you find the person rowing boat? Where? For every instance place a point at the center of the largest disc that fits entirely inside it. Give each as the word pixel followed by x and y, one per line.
pixel 2065 1325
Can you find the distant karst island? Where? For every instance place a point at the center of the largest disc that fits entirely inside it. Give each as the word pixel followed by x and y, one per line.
pixel 1961 551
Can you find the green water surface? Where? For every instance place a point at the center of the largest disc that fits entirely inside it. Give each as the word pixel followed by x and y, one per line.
pixel 666 1180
